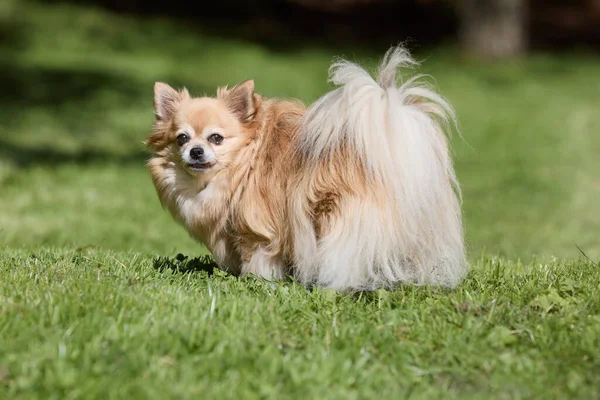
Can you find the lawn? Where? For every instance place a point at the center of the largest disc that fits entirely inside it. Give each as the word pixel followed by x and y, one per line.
pixel 95 304
pixel 103 324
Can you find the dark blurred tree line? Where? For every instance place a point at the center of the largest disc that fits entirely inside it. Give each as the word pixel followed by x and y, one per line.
pixel 501 28
pixel 489 28
pixel 484 28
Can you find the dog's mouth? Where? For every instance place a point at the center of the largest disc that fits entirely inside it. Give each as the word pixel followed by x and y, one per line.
pixel 199 166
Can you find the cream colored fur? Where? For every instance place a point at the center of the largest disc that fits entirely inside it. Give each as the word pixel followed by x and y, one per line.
pixel 357 192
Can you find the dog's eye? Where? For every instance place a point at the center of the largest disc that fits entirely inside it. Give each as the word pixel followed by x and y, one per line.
pixel 182 139
pixel 215 138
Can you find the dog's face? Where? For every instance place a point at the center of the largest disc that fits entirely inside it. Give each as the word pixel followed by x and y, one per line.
pixel 202 136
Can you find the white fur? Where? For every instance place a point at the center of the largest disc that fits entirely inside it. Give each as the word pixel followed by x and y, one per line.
pixel 198 202
pixel 264 265
pixel 413 232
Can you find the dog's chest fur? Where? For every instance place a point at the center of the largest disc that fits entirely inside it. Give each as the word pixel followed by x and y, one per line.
pixel 201 208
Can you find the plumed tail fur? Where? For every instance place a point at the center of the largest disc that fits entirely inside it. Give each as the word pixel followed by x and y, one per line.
pixel 407 225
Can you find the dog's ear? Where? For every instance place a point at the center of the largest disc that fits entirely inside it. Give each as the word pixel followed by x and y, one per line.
pixel 166 100
pixel 241 100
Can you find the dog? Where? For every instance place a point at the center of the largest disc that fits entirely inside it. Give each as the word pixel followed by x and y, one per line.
pixel 356 192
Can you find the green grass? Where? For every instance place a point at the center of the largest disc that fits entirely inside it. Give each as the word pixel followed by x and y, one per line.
pixel 103 324
pixel 89 309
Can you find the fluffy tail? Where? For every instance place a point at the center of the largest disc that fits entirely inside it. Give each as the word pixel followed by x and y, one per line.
pixel 406 225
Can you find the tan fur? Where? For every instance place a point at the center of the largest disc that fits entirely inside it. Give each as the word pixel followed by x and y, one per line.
pixel 355 192
pixel 249 211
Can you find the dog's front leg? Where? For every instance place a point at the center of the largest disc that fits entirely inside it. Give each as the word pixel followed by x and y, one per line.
pixel 265 265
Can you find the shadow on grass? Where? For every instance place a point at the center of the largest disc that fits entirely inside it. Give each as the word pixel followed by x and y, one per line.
pixel 29 86
pixel 29 156
pixel 394 297
pixel 54 88
pixel 183 264
pixel 82 103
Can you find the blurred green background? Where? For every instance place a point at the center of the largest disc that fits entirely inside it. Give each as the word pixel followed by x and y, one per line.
pixel 76 84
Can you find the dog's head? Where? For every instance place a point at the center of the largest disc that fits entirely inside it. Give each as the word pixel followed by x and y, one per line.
pixel 202 135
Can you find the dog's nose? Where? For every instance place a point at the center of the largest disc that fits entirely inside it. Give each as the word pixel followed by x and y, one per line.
pixel 196 153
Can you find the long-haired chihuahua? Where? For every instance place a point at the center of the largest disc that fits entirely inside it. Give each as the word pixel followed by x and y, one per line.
pixel 355 192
